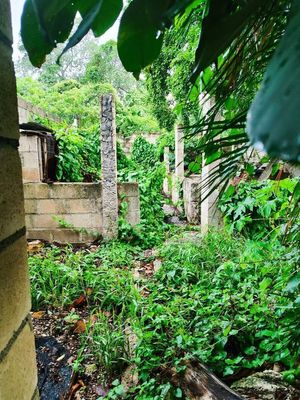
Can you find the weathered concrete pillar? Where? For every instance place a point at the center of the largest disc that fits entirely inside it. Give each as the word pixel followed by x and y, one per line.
pixel 166 185
pixel 210 215
pixel 179 164
pixel 192 198
pixel 109 168
pixel 18 374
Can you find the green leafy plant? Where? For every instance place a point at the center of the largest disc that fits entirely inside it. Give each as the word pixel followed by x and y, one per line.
pixel 149 173
pixel 259 209
pixel 220 300
pixel 140 41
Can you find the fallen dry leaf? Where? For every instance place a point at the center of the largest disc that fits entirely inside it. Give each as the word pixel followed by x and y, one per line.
pixel 70 360
pixel 74 389
pixel 80 326
pixel 79 302
pixel 38 314
pixel 107 314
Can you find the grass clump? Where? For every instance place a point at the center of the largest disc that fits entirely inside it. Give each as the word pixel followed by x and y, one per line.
pixel 60 275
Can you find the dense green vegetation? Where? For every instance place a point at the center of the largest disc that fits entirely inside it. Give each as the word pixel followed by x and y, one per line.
pixel 219 298
pixel 236 43
pixel 77 98
pixel 229 298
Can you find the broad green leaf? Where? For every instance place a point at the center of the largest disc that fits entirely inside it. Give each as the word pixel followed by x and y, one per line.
pixel 43 26
pixel 229 191
pixel 274 117
pixel 106 17
pixel 140 35
pixel 84 26
pixel 194 167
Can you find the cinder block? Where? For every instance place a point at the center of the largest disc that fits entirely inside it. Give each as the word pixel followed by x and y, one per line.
pixel 49 206
pixel 74 190
pixel 133 203
pixel 28 143
pixel 31 206
pixel 128 189
pixel 66 236
pixel 18 374
pixel 84 220
pixel 62 235
pixel 69 206
pixel 11 192
pixel 40 234
pixel 31 175
pixel 29 160
pixel 42 221
pixel 9 124
pixel 133 217
pixel 82 206
pixel 14 290
pixel 36 190
pixel 91 235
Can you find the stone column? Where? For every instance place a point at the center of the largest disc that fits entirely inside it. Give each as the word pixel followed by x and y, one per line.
pixel 179 163
pixel 18 374
pixel 210 215
pixel 166 188
pixel 109 168
pixel 179 153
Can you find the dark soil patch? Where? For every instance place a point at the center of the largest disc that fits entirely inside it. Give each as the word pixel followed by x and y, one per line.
pixel 58 344
pixel 55 374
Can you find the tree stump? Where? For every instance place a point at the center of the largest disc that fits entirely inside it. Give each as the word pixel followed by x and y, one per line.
pixel 198 383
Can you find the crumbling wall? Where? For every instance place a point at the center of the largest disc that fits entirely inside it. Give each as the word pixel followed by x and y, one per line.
pixel 18 375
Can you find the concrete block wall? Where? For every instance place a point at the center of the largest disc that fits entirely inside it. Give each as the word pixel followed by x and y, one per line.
pixel 127 142
pixel 129 192
pixel 30 153
pixel 18 374
pixel 77 205
pixel 27 111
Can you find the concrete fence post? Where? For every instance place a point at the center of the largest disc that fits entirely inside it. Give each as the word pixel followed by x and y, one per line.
pixel 18 374
pixel 109 168
pixel 166 187
pixel 210 215
pixel 179 163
